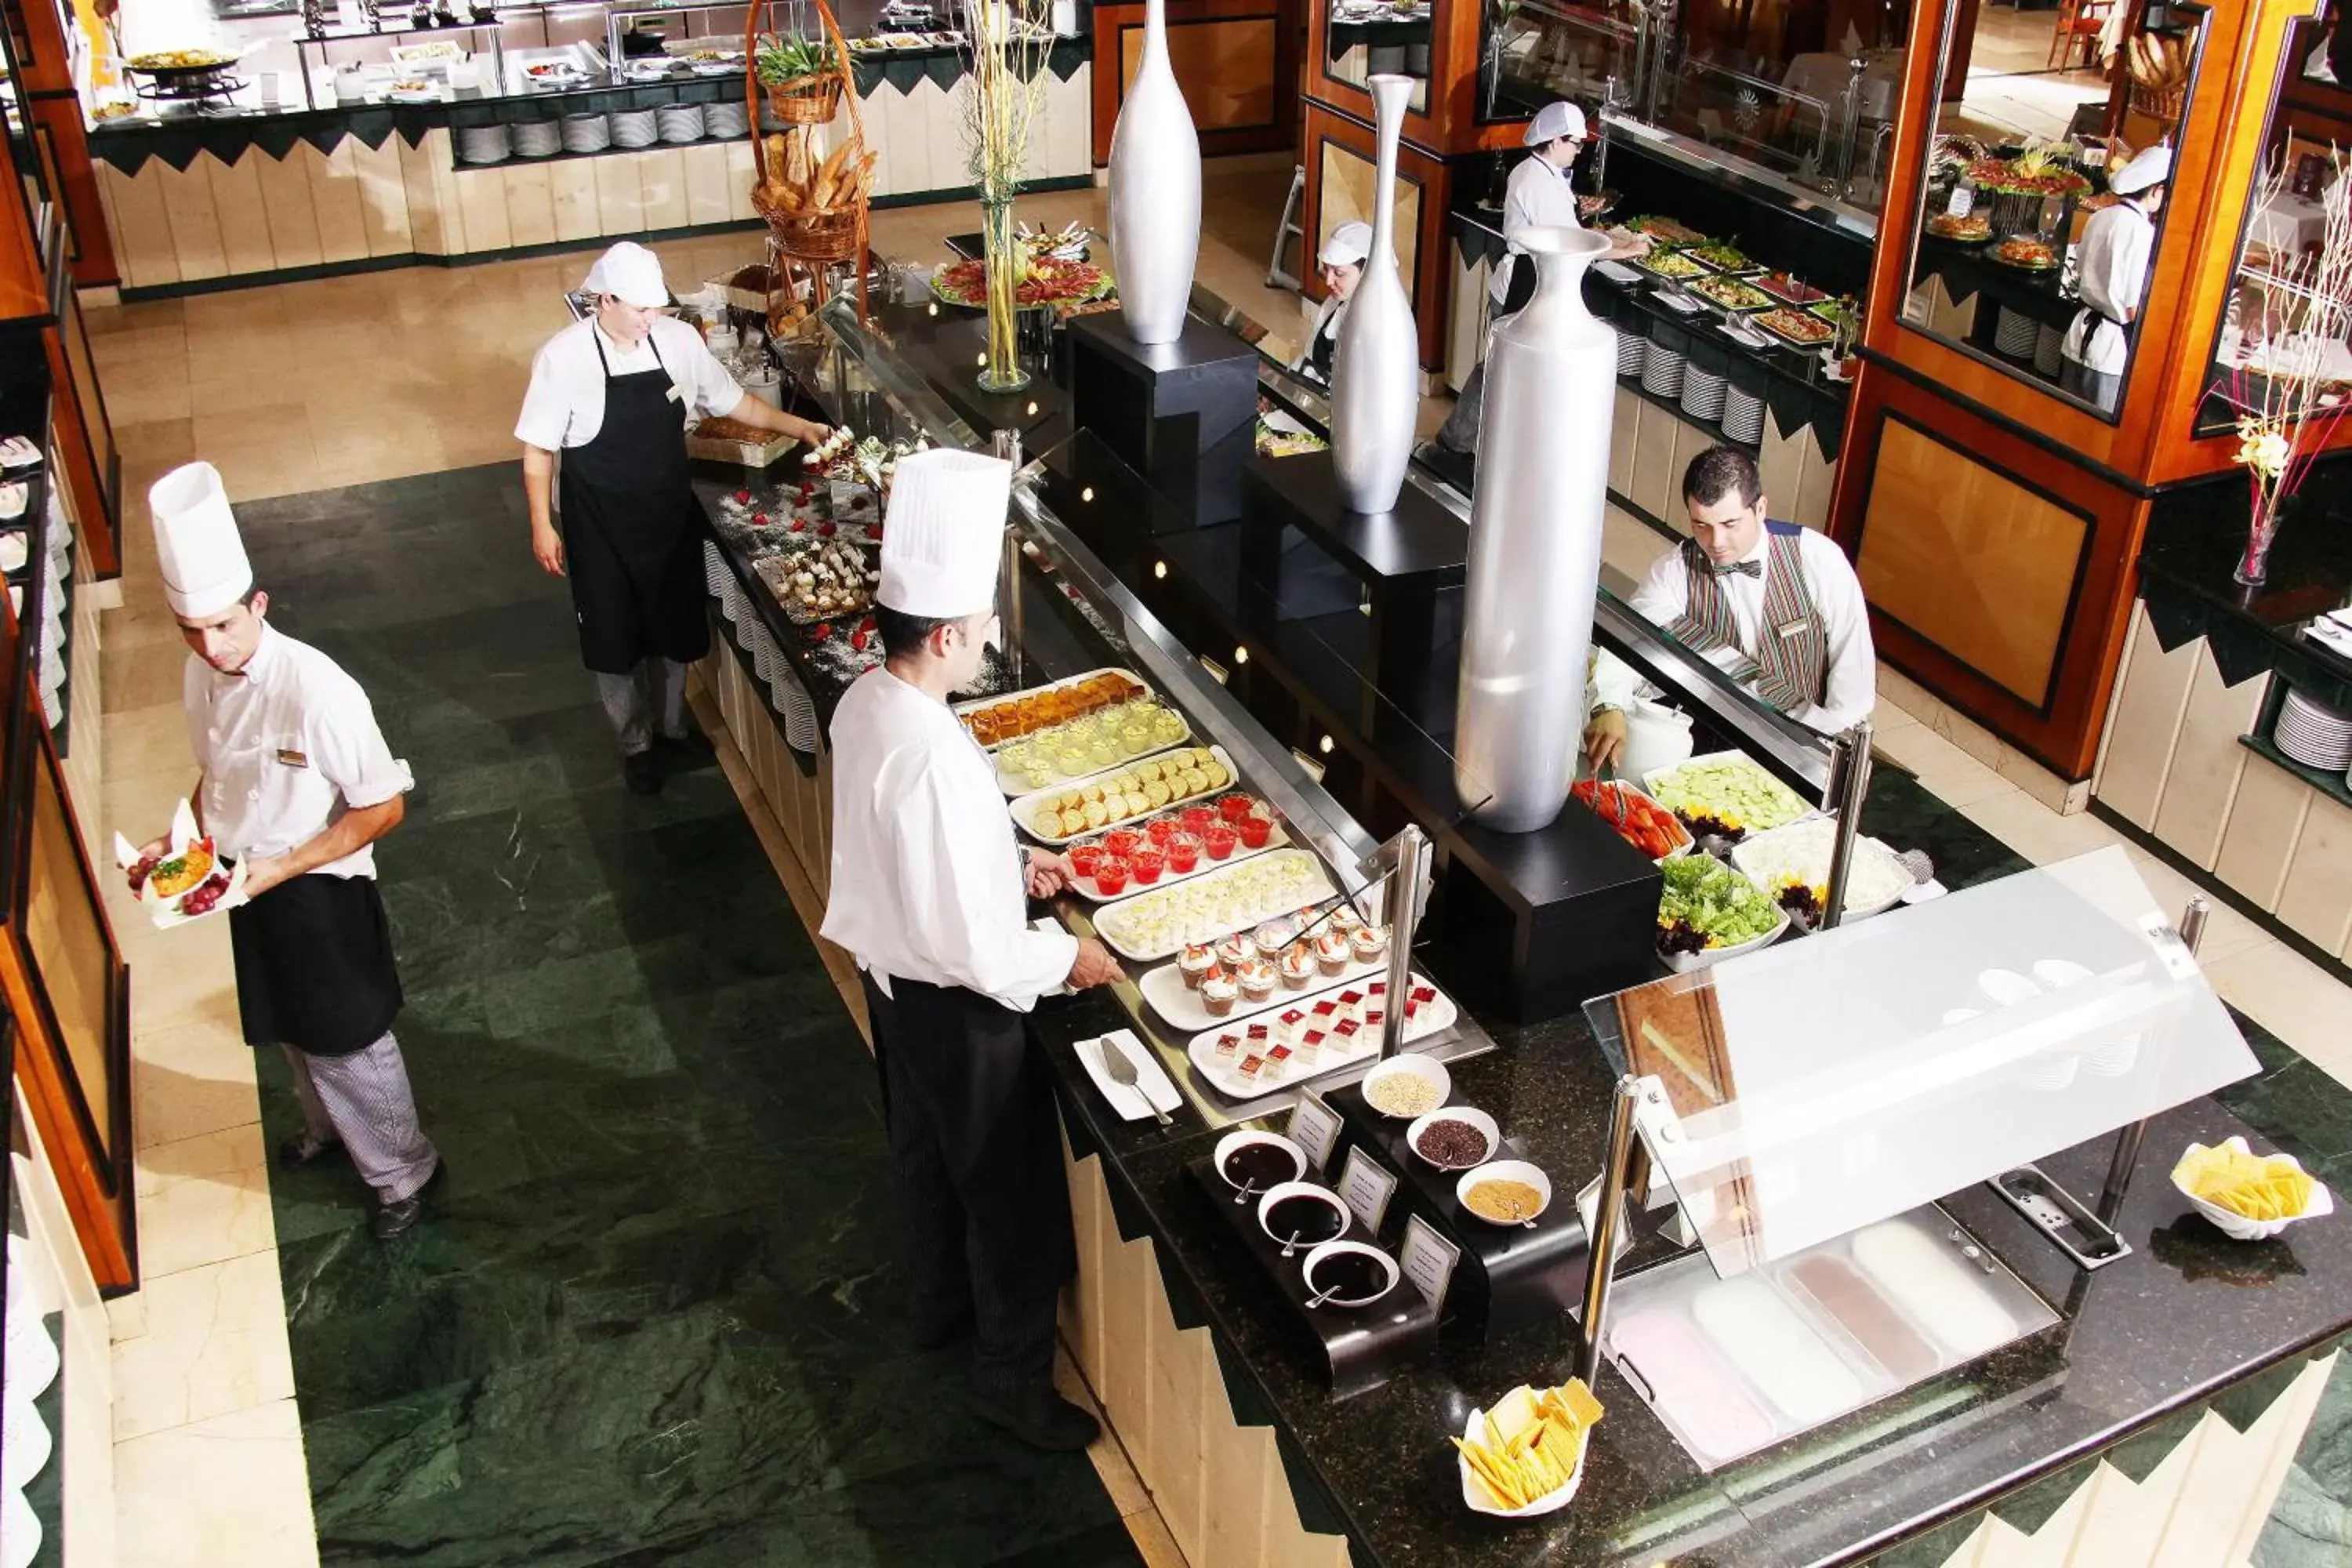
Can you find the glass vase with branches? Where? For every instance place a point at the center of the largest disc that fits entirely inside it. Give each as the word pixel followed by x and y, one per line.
pixel 1006 43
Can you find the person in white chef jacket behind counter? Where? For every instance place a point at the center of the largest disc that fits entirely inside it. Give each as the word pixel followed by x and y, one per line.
pixel 2117 244
pixel 1342 262
pixel 927 895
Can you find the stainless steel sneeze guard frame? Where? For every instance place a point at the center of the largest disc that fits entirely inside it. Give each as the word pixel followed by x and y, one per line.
pixel 1731 170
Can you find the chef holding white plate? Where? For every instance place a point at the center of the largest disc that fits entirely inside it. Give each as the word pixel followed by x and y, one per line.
pixel 2116 246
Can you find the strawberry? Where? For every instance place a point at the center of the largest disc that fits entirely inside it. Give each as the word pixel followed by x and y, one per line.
pixel 800 525
pixel 824 531
pixel 823 630
pixel 857 640
pixel 742 497
pixel 759 520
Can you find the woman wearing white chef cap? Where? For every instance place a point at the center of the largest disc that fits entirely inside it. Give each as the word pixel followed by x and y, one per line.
pixel 612 394
pixel 927 895
pixel 2116 246
pixel 1342 262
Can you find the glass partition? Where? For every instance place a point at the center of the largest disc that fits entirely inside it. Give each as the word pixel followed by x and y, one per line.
pixel 1534 51
pixel 1365 38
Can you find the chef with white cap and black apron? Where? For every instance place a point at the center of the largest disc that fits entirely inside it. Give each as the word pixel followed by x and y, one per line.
pixel 2111 277
pixel 1342 262
pixel 297 785
pixel 928 895
pixel 613 394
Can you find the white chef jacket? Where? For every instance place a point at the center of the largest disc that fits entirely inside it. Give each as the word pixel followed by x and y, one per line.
pixel 288 744
pixel 927 881
pixel 2114 275
pixel 1333 311
pixel 565 403
pixel 1852 690
pixel 1536 196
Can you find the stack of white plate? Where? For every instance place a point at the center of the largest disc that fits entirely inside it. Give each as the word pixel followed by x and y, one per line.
pixel 1743 416
pixel 1631 353
pixel 680 122
pixel 634 128
pixel 2048 344
pixel 2015 334
pixel 730 119
pixel 586 133
pixel 2313 734
pixel 1661 372
pixel 537 139
pixel 484 144
pixel 1703 393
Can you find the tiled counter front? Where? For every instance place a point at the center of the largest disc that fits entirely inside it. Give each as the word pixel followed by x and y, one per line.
pixel 1650 444
pixel 259 215
pixel 2172 766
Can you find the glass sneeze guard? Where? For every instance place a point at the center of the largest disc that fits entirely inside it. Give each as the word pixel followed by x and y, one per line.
pixel 1822 1086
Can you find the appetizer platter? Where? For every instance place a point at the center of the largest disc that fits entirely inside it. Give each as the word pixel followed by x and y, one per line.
pixel 1639 820
pixel 1046 282
pixel 1058 815
pixel 2036 172
pixel 1732 295
pixel 1724 795
pixel 1167 850
pixel 1244 1060
pixel 1158 924
pixel 1720 257
pixel 1665 230
pixel 1972 229
pixel 828 578
pixel 1836 313
pixel 1788 288
pixel 1669 264
pixel 1709 913
pixel 1796 328
pixel 1314 951
pixel 1273 441
pixel 993 720
pixel 1081 749
pixel 1791 864
pixel 188 881
pixel 2025 253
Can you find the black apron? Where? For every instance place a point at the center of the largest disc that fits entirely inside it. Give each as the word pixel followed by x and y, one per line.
pixel 314 965
pixel 633 528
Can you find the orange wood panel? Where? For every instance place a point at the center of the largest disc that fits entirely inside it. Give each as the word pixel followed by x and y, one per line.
pixel 1425 196
pixel 1449 123
pixel 1237 61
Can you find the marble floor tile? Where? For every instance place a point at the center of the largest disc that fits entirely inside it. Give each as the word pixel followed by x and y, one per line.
pixel 191 1078
pixel 229 1489
pixel 1949 773
pixel 215 1344
pixel 2291 996
pixel 2035 831
pixel 203 1199
pixel 2227 932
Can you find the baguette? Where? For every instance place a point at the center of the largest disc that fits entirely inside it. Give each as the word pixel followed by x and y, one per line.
pixel 796 163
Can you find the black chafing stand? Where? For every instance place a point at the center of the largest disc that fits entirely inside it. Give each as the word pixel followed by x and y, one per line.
pixel 1182 415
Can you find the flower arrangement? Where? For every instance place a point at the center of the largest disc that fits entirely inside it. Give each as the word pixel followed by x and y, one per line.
pixel 1007 42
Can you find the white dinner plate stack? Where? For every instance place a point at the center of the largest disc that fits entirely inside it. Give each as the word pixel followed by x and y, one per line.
pixel 2313 734
pixel 1661 372
pixel 1703 393
pixel 1632 351
pixel 726 120
pixel 679 123
pixel 537 139
pixel 2048 344
pixel 2015 334
pixel 586 133
pixel 1743 416
pixel 484 144
pixel 634 128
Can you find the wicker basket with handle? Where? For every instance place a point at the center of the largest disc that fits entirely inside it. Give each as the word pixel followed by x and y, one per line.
pixel 815 237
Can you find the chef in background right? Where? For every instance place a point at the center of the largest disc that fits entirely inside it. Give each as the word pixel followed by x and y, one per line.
pixel 2116 245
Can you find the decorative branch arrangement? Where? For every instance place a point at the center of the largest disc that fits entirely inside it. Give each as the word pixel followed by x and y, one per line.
pixel 1006 43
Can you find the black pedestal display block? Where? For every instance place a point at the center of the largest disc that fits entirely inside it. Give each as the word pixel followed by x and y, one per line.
pixel 1510 1276
pixel 1356 1348
pixel 1182 415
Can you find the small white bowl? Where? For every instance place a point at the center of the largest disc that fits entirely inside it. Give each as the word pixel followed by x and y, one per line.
pixel 2238 1225
pixel 1333 1248
pixel 1475 1497
pixel 1248 1136
pixel 1409 1064
pixel 1306 1190
pixel 1506 1170
pixel 1469 1116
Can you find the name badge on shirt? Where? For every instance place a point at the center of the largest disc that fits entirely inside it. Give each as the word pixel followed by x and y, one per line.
pixel 1793 628
pixel 671 394
pixel 292 759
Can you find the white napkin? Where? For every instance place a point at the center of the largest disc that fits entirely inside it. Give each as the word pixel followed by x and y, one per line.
pixel 2330 634
pixel 1150 1079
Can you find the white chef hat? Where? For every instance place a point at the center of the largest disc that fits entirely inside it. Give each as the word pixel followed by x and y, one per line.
pixel 630 273
pixel 196 543
pixel 2151 167
pixel 1350 244
pixel 944 536
pixel 1552 122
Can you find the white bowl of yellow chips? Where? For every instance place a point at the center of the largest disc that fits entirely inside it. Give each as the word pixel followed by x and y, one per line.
pixel 2250 1196
pixel 1529 1457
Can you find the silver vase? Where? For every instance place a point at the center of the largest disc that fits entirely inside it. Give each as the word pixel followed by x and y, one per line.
pixel 1155 192
pixel 1536 520
pixel 1376 364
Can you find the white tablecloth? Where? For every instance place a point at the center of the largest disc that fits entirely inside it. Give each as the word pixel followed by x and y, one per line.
pixel 2288 224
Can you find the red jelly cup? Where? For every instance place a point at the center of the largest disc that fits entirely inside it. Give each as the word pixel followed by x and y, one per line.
pixel 1086 858
pixel 1147 864
pixel 1160 829
pixel 1184 852
pixel 1110 877
pixel 1218 841
pixel 1197 819
pixel 1122 841
pixel 1234 808
pixel 1254 831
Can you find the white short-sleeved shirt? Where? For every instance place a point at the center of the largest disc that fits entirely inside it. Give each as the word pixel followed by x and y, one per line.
pixel 288 744
pixel 1537 195
pixel 565 403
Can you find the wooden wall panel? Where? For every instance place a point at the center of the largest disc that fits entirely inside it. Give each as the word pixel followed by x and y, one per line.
pixel 335 193
pixel 237 203
pixel 383 197
pixel 197 242
pixel 572 182
pixel 482 203
pixel 2146 723
pixel 2201 776
pixel 661 175
pixel 530 204
pixel 292 217
pixel 620 195
pixel 2316 900
pixel 1237 61
pixel 2258 842
pixel 141 227
pixel 705 169
pixel 427 218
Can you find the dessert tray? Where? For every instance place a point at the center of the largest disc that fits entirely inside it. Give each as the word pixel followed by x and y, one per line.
pixel 1223 1055
pixel 1141 789
pixel 1157 924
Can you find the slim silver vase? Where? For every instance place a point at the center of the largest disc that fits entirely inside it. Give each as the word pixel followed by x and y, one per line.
pixel 1376 366
pixel 1535 542
pixel 1155 192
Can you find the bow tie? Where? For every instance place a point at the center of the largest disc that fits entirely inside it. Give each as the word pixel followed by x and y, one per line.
pixel 1741 569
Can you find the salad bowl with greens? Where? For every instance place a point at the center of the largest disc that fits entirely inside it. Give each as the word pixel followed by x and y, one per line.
pixel 1708 912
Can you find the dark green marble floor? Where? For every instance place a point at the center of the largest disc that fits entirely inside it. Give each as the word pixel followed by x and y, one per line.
pixel 654 1319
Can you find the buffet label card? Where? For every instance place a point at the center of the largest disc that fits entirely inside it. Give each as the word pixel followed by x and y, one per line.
pixel 1367 1189
pixel 1315 1128
pixel 1428 1260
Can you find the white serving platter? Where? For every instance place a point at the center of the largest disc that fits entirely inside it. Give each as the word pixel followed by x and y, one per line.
pixel 1111 920
pixel 1650 780
pixel 1225 1076
pixel 1277 839
pixel 1179 1005
pixel 1015 785
pixel 977 703
pixel 1023 806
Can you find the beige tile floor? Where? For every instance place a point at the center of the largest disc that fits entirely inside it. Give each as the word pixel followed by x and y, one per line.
pixel 335 382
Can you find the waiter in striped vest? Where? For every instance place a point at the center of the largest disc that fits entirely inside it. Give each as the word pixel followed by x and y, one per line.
pixel 1775 606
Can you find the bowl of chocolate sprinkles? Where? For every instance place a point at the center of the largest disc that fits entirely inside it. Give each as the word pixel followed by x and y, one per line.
pixel 1453 1139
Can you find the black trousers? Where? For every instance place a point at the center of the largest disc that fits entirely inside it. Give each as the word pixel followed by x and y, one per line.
pixel 976 1156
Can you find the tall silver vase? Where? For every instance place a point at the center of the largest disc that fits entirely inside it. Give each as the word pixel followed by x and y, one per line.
pixel 1155 192
pixel 1535 519
pixel 1376 366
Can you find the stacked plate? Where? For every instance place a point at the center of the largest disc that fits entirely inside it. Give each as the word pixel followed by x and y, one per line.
pixel 731 119
pixel 484 144
pixel 2313 734
pixel 1631 353
pixel 2015 334
pixel 634 128
pixel 1661 372
pixel 1743 416
pixel 2048 342
pixel 1703 393
pixel 586 133
pixel 679 123
pixel 536 138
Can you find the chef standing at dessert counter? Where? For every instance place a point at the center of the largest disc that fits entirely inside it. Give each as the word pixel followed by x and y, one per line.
pixel 927 895
pixel 613 394
pixel 1774 605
